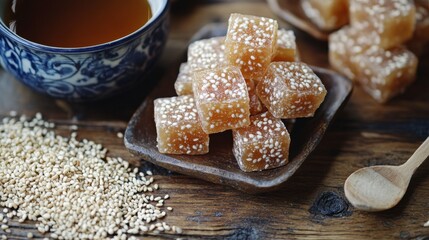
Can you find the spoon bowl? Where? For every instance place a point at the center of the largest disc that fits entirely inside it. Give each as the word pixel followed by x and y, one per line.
pixel 384 187
pixel 380 188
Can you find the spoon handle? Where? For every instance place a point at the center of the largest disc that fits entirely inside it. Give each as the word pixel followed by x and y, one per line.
pixel 418 157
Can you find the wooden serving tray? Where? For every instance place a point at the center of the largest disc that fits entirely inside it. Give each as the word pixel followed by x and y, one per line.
pixel 219 165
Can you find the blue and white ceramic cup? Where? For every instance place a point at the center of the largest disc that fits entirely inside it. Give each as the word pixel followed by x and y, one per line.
pixel 86 73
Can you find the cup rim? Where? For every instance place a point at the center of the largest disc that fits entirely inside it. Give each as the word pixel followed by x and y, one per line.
pixel 93 48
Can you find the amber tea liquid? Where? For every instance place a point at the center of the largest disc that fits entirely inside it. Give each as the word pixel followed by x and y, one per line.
pixel 75 23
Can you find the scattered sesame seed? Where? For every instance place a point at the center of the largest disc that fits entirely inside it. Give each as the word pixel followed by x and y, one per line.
pixel 120 135
pixel 46 176
pixel 426 224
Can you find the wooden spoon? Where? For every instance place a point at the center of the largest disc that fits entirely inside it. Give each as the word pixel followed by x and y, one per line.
pixel 379 188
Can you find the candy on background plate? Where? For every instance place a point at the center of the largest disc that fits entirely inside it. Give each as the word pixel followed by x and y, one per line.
pixel 327 14
pixel 392 20
pixel 420 41
pixel 384 74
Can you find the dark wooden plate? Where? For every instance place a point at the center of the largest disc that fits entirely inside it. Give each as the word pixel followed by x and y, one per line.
pixel 291 12
pixel 219 165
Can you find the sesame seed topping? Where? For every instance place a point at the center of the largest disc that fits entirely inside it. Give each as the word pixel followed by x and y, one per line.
pixel 206 54
pixel 378 15
pixel 286 39
pixel 250 43
pixel 263 144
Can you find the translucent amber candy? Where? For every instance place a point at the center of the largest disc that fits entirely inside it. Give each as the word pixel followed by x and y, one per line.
pixel 183 84
pixel 420 41
pixel 327 14
pixel 344 47
pixel 255 104
pixel 264 144
pixel 206 54
pixel 384 74
pixel 178 126
pixel 222 99
pixel 202 54
pixel 250 44
pixel 286 47
pixel 291 90
pixel 392 20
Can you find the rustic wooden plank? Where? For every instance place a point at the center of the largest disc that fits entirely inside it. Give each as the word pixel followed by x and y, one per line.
pixel 312 204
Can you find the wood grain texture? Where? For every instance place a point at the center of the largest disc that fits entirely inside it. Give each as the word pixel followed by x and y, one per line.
pixel 312 204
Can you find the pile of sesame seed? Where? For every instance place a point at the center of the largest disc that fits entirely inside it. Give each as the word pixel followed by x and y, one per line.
pixel 71 188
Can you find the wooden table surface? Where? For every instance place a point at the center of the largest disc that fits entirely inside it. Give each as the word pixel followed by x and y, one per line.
pixel 311 205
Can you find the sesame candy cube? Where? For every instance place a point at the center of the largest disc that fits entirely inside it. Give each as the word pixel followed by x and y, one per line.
pixel 255 104
pixel 344 47
pixel 341 49
pixel 264 144
pixel 221 98
pixel 392 20
pixel 384 74
pixel 206 54
pixel 178 126
pixel 291 90
pixel 250 44
pixel 286 47
pixel 327 14
pixel 183 84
